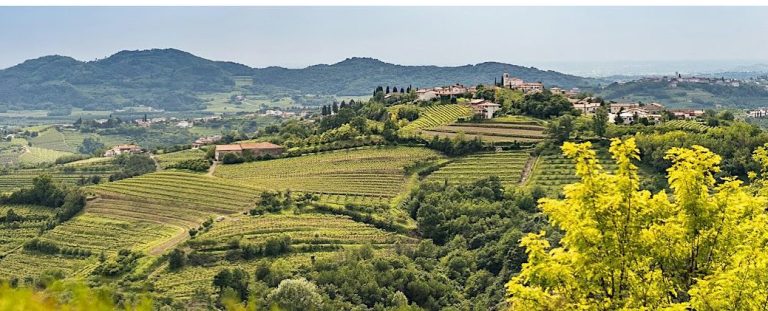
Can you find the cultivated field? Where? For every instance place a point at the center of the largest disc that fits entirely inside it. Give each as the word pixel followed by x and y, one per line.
pixel 363 176
pixel 13 235
pixel 168 159
pixel 312 235
pixel 495 132
pixel 438 115
pixel 553 171
pixel 68 173
pixel 508 166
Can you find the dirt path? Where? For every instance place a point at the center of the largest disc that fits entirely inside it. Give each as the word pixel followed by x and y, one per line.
pixel 212 168
pixel 157 164
pixel 528 169
pixel 161 248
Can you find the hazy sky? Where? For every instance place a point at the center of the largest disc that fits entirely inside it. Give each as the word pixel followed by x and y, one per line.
pixel 300 36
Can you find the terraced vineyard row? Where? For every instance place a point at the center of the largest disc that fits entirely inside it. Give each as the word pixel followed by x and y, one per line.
pixel 67 174
pixel 193 191
pixel 438 115
pixel 685 125
pixel 508 166
pixel 149 213
pixel 370 173
pixel 13 235
pixel 168 159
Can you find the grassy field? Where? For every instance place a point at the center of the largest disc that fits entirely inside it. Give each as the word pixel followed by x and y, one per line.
pixel 508 166
pixel 167 159
pixel 438 115
pixel 36 155
pixel 361 176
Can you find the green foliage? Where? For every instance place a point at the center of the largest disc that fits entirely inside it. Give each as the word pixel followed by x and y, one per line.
pixel 66 296
pixel 196 165
pixel 125 262
pixel 296 295
pixel 543 105
pixel 132 165
pixel 91 146
pixel 561 128
pixel 702 248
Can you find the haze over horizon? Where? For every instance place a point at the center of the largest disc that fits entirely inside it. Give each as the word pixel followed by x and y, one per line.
pixel 590 41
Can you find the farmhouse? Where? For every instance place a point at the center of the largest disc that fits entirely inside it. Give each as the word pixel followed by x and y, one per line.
pixel 616 107
pixel 205 141
pixel 121 149
pixel 255 149
pixel 484 108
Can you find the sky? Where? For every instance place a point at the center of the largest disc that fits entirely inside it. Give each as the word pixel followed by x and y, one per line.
pixel 571 39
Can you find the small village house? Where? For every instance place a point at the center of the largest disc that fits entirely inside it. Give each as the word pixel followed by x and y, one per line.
pixel 122 149
pixel 484 108
pixel 202 141
pixel 255 149
pixel 616 107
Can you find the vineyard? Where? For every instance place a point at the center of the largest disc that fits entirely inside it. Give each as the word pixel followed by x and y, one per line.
pixel 69 173
pixel 36 155
pixel 53 139
pixel 14 235
pixel 362 176
pixel 168 159
pixel 438 115
pixel 508 166
pixel 686 125
pixel 315 235
pixel 553 171
pixel 495 132
pixel 191 193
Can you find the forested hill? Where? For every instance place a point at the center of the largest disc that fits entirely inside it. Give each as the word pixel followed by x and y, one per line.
pixel 355 76
pixel 169 79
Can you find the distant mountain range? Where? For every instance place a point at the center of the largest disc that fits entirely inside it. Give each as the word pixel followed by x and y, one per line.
pixel 171 79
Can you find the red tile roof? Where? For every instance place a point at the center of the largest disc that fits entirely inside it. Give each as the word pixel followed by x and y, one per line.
pixel 228 148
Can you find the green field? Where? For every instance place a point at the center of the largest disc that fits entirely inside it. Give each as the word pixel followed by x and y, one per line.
pixel 360 176
pixel 36 155
pixel 508 166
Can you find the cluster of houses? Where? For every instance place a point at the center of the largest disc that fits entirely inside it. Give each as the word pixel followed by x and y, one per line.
pixel 255 149
pixel 514 83
pixel 672 81
pixel 451 90
pixel 207 140
pixel 182 123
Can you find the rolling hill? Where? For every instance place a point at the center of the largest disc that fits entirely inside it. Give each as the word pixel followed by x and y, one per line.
pixel 170 79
